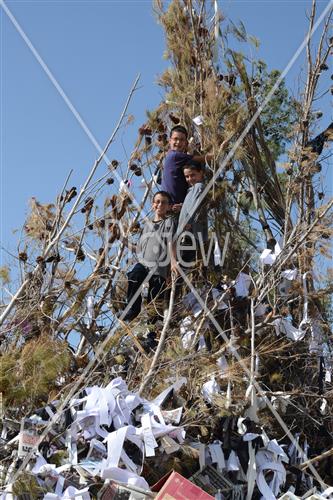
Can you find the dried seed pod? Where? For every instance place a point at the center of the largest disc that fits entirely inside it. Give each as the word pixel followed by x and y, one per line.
pixel 271 243
pixel 138 171
pixel 133 166
pixel 80 255
pixel 110 180
pixel 70 194
pixel 202 31
pixel 145 130
pixel 162 138
pixel 161 127
pixel 88 204
pixel 230 79
pixel 23 257
pixel 113 200
pixel 323 67
pixel 174 119
pixel 148 140
pixel 237 178
pixel 114 163
pixel 135 227
pixel 321 195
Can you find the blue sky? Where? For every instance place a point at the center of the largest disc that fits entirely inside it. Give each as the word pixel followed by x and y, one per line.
pixel 95 50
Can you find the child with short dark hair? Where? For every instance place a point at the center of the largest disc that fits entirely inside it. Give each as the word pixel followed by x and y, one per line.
pixel 193 215
pixel 154 251
pixel 173 180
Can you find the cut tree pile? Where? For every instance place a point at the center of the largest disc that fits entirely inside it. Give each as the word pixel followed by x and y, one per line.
pixel 237 394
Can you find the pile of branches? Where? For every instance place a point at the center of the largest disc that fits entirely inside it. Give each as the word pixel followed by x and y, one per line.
pixel 60 332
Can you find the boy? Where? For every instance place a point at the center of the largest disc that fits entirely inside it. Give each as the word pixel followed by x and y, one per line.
pixel 173 180
pixel 155 251
pixel 193 216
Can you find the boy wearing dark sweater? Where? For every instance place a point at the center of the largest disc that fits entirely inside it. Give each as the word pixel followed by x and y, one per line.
pixel 173 179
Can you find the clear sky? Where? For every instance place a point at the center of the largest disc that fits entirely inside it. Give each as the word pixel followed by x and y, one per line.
pixel 95 50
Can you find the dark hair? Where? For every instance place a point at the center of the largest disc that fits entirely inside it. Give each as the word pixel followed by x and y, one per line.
pixel 179 128
pixel 163 193
pixel 194 165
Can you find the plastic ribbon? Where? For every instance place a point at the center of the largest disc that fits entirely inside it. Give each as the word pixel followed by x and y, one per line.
pixel 283 325
pixel 268 257
pixel 210 389
pixel 90 310
pixel 242 284
pixel 267 460
pixel 233 463
pixel 217 455
pixel 69 494
pixel 251 471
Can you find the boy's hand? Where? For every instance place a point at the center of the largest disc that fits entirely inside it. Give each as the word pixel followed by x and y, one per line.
pixel 176 207
pixel 174 268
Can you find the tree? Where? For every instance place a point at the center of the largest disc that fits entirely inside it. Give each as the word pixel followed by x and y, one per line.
pixel 73 268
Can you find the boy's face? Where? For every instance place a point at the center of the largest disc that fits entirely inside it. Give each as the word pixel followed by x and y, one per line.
pixel 161 205
pixel 178 141
pixel 193 176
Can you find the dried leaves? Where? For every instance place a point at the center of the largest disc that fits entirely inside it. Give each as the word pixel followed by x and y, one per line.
pixel 40 220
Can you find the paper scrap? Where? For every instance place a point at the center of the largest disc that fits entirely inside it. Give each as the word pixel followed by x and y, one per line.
pixel 198 120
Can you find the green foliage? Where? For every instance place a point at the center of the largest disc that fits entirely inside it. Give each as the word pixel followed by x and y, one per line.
pixel 27 484
pixel 279 114
pixel 27 375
